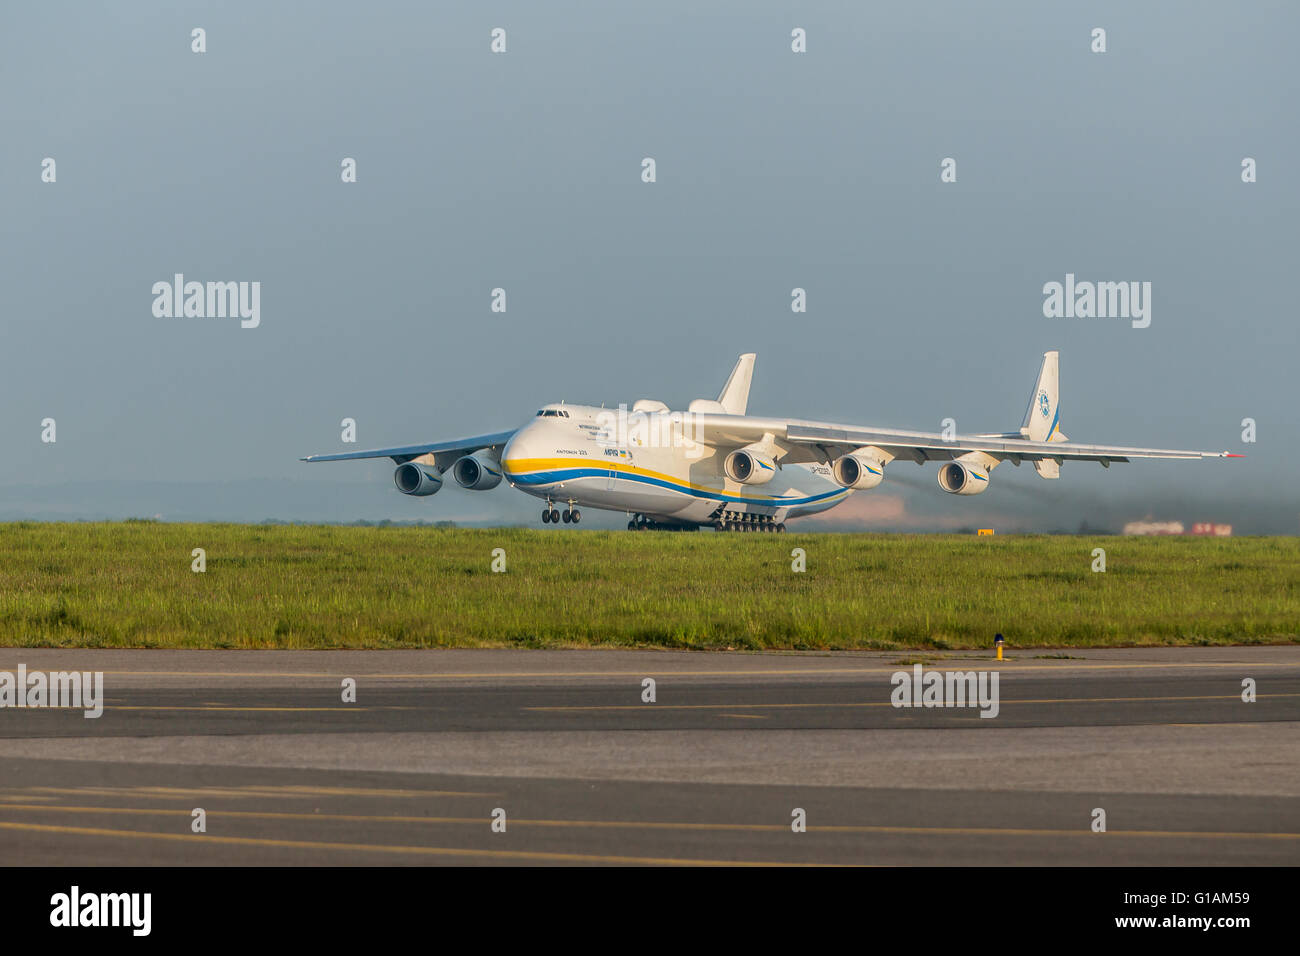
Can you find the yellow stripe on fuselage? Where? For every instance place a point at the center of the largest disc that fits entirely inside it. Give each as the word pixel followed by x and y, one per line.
pixel 530 465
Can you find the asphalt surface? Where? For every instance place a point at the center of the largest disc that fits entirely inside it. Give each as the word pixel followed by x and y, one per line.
pixel 712 771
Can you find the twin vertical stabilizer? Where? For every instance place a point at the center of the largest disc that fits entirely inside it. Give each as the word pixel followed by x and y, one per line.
pixel 1043 416
pixel 735 394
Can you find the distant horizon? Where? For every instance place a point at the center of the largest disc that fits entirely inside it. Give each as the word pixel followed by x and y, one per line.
pixel 905 507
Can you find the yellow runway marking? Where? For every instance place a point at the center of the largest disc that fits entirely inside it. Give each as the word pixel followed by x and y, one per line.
pixel 25 796
pixel 671 825
pixel 329 710
pixel 386 848
pixel 757 672
pixel 48 707
pixel 251 791
pixel 744 716
pixel 885 703
pixel 296 790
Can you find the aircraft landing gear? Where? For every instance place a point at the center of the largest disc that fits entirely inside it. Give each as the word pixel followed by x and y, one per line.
pixel 552 515
pixel 640 522
pixel 745 521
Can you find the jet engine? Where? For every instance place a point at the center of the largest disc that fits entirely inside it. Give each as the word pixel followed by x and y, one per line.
pixel 963 478
pixel 420 480
pixel 749 467
pixel 477 471
pixel 858 471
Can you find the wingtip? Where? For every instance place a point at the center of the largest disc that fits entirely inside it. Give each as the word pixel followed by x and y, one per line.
pixel 1228 454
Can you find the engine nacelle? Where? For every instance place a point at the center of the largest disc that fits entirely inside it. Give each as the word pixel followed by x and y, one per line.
pixel 963 478
pixel 420 480
pixel 858 471
pixel 749 467
pixel 477 471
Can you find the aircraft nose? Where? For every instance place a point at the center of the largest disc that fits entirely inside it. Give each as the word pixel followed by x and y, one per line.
pixel 518 449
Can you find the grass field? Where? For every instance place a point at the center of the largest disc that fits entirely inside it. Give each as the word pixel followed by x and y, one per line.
pixel 131 585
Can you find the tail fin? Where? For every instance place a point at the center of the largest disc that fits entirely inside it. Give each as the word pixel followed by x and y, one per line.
pixel 735 394
pixel 1043 416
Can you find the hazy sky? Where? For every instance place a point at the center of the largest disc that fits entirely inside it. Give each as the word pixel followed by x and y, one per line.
pixel 522 170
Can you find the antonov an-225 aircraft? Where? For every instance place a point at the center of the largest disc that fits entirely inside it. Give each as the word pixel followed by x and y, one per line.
pixel 715 466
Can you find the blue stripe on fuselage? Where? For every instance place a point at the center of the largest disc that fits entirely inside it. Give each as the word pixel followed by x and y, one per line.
pixel 569 474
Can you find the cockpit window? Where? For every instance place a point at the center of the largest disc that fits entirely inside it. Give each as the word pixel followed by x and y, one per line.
pixel 552 413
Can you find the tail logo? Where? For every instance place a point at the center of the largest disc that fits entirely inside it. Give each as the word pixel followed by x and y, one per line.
pixel 1044 403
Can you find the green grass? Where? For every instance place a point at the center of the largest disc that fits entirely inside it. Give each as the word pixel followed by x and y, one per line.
pixel 130 585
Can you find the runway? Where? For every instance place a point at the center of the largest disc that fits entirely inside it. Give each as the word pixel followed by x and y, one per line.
pixel 583 770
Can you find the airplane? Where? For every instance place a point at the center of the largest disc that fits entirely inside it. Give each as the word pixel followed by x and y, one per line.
pixel 715 466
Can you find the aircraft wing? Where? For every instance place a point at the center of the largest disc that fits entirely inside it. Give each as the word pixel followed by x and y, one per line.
pixel 803 441
pixel 443 452
pixel 807 439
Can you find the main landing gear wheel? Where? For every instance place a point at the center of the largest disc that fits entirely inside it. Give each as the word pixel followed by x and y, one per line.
pixel 746 522
pixel 575 515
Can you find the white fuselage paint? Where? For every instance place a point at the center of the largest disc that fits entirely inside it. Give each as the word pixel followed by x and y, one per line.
pixel 575 459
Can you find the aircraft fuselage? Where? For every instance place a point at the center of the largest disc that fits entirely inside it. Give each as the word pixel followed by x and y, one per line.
pixel 573 456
